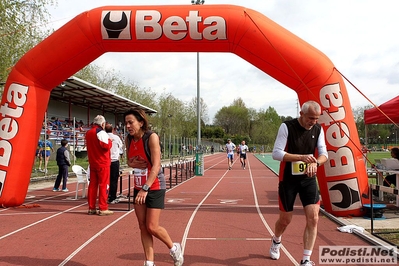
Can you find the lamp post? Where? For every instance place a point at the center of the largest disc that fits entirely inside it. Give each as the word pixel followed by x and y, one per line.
pixel 198 2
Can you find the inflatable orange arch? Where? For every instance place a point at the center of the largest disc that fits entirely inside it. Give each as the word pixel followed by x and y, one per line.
pixel 186 28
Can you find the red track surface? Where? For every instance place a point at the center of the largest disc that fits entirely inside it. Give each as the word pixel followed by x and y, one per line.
pixel 221 218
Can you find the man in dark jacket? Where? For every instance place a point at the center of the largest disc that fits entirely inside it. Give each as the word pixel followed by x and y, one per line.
pixel 63 163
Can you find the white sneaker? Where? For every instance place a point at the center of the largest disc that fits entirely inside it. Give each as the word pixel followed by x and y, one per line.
pixel 65 190
pixel 177 255
pixel 307 263
pixel 275 250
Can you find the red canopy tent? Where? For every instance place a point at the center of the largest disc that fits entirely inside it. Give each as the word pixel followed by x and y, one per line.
pixel 386 113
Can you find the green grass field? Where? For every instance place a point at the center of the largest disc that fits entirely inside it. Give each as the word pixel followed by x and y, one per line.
pixel 52 168
pixel 371 156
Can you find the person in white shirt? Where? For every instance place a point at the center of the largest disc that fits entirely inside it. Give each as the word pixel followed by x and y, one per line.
pixel 301 149
pixel 243 153
pixel 230 148
pixel 114 170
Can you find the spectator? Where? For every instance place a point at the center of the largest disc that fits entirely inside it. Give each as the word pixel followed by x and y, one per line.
pixel 63 163
pixel 114 168
pixel 38 156
pixel 47 148
pixel 98 151
pixel 390 180
pixel 57 124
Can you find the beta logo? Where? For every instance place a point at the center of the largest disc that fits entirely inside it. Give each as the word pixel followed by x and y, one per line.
pixel 116 25
pixel 148 26
pixel 344 194
pixel 10 112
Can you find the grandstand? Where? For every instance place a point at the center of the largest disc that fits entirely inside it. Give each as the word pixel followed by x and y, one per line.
pixel 72 107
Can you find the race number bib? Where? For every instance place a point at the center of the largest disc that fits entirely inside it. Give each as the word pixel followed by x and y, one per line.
pixel 140 176
pixel 298 168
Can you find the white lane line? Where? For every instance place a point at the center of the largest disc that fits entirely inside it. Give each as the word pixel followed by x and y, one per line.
pixel 263 219
pixel 38 222
pixel 190 221
pixel 67 259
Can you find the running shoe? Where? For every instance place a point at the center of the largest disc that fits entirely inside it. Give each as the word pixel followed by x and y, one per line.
pixel 56 189
pixel 275 250
pixel 307 263
pixel 177 255
pixel 65 190
pixel 115 201
pixel 91 212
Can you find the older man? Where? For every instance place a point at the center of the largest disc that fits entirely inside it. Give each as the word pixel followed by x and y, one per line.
pixel 98 151
pixel 296 145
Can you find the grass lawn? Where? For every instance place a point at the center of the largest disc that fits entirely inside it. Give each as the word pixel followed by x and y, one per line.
pixel 52 168
pixel 371 157
pixel 377 155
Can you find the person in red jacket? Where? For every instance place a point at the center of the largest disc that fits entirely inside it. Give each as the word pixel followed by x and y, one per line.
pixel 98 146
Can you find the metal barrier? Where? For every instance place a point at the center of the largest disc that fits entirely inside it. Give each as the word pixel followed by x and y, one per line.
pixel 175 173
pixel 180 171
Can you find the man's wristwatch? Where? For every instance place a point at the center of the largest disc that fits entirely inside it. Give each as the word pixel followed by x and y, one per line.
pixel 145 188
pixel 318 164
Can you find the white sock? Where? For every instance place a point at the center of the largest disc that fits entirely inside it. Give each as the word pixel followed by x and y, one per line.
pixel 306 255
pixel 277 239
pixel 149 263
pixel 173 249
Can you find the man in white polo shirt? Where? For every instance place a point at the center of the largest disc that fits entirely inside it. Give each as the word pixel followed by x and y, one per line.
pixel 230 148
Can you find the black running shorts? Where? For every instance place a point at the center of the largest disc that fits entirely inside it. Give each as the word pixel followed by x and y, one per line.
pixel 155 198
pixel 305 187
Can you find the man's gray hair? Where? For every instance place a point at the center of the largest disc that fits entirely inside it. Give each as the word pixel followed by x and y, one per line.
pixel 315 105
pixel 99 120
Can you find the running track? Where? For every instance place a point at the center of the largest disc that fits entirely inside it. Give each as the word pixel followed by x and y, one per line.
pixel 221 218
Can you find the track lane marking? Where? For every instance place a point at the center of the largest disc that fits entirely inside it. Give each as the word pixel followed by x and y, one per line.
pixel 264 220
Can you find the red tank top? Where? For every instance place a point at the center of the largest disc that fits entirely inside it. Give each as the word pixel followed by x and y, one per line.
pixel 137 149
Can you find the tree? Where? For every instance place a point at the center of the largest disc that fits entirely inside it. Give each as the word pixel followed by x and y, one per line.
pixel 192 105
pixel 264 129
pixel 212 132
pixel 234 119
pixel 170 118
pixel 358 115
pixel 21 28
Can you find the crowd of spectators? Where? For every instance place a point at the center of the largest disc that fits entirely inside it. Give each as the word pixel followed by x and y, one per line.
pixel 57 129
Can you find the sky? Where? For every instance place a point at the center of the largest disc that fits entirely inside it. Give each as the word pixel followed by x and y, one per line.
pixel 360 37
